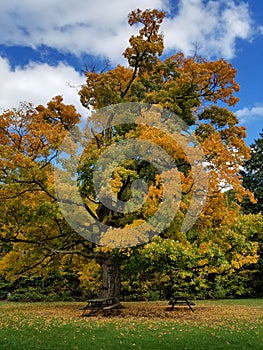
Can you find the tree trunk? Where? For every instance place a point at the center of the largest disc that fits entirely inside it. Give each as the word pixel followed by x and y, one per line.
pixel 111 279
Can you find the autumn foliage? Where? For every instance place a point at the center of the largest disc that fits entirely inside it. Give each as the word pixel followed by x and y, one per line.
pixel 37 240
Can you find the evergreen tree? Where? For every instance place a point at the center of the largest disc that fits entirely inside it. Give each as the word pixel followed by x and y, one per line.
pixel 253 177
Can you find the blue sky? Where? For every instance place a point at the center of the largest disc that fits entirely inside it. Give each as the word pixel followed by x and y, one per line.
pixel 46 44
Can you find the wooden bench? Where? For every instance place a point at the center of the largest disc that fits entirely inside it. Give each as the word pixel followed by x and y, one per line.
pixel 181 300
pixel 111 307
pixel 95 305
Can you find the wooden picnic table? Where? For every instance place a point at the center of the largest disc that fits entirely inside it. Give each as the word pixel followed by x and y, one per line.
pixel 181 300
pixel 98 304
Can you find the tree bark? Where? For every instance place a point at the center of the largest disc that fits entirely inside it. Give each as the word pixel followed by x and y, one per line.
pixel 111 277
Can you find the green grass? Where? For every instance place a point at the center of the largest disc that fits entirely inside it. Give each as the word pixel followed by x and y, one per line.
pixel 227 324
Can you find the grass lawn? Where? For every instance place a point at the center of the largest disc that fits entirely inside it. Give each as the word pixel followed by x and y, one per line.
pixel 224 324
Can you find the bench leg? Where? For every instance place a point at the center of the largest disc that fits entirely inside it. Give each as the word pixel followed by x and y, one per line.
pixel 84 311
pixel 93 309
pixel 187 302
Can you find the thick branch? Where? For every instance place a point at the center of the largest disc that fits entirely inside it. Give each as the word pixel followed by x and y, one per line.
pixel 136 67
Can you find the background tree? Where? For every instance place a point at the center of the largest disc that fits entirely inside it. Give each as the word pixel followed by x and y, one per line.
pixel 252 174
pixel 33 231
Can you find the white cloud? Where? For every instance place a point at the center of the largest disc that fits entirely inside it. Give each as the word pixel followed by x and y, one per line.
pixel 214 26
pixel 248 114
pixel 100 27
pixel 38 83
pixel 97 27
